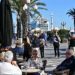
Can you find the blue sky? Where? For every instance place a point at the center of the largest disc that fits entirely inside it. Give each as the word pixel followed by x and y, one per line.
pixel 59 8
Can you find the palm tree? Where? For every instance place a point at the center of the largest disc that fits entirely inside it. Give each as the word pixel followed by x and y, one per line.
pixel 17 5
pixel 40 5
pixel 72 13
pixel 32 12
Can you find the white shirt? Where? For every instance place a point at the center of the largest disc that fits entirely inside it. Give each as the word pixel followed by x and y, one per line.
pixel 34 63
pixel 0 63
pixel 9 69
pixel 55 40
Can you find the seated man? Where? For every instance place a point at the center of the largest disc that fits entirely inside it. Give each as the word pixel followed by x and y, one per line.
pixel 9 69
pixel 1 57
pixel 68 63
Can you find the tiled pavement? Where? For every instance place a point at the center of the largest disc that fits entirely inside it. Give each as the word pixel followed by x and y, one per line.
pixel 52 61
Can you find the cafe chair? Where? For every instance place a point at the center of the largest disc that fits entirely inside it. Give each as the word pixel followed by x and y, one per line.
pixel 43 73
pixel 64 72
pixel 44 64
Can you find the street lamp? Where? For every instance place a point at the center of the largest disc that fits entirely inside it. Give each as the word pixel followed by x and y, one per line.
pixel 63 24
pixel 51 21
pixel 27 8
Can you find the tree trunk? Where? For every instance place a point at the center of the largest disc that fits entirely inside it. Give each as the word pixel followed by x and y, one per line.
pixel 19 28
pixel 24 23
pixel 74 23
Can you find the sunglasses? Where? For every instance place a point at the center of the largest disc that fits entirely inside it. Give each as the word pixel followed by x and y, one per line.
pixel 34 53
pixel 68 53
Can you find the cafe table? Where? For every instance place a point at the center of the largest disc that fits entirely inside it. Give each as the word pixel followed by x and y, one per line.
pixel 50 69
pixel 30 71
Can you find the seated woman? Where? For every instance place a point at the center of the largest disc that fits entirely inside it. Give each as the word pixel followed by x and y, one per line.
pixel 34 61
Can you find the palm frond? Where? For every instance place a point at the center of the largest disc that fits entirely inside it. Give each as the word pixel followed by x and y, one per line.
pixel 36 12
pixel 31 15
pixel 15 2
pixel 71 12
pixel 42 8
pixel 34 1
pixel 40 3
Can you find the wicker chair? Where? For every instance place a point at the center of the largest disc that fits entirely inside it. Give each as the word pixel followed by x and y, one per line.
pixel 64 72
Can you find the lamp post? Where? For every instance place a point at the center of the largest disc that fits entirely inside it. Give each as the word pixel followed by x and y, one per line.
pixel 63 24
pixel 51 21
pixel 26 8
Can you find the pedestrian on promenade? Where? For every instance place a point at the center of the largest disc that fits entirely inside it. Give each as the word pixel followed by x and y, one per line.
pixel 56 41
pixel 35 41
pixel 27 50
pixel 71 41
pixel 42 42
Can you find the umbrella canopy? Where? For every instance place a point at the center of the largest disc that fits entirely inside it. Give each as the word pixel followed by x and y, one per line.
pixel 6 27
pixel 36 30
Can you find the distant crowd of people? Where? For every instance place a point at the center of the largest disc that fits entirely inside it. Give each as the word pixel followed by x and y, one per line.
pixel 35 41
pixel 33 51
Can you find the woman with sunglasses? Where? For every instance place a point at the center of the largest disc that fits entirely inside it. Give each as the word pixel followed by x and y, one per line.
pixel 34 60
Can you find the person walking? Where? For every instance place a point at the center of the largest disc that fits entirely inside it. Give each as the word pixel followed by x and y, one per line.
pixel 56 40
pixel 42 47
pixel 27 50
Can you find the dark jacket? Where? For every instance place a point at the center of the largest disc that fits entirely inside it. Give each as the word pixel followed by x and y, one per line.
pixel 35 42
pixel 27 51
pixel 67 64
pixel 72 43
pixel 55 41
